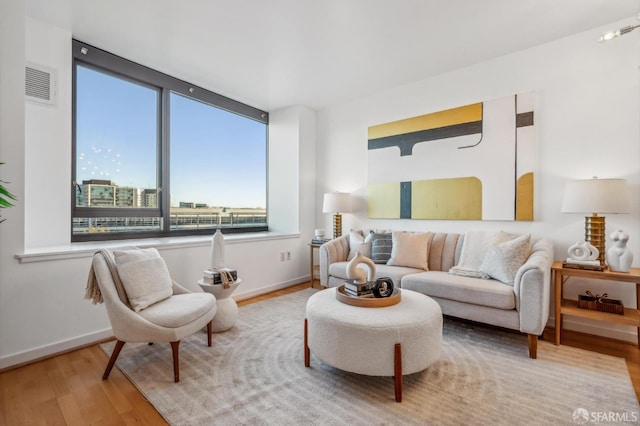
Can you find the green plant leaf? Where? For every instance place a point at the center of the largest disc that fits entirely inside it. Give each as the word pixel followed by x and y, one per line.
pixel 5 196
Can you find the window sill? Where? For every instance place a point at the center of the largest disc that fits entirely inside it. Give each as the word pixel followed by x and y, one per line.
pixel 78 250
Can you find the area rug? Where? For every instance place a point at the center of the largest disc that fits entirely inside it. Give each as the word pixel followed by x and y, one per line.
pixel 254 375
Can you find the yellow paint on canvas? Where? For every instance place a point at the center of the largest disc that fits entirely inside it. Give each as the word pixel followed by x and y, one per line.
pixel 524 198
pixel 383 200
pixel 455 199
pixel 464 114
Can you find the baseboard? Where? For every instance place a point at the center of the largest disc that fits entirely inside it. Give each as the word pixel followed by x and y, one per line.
pixel 274 287
pixel 604 329
pixel 12 361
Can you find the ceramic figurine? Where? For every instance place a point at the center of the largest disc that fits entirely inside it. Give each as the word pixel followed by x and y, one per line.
pixel 358 275
pixel 582 251
pixel 619 257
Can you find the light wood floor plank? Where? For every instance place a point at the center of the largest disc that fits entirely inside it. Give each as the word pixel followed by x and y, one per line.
pixel 70 410
pixel 68 389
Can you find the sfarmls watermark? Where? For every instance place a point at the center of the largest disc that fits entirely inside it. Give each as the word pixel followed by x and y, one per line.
pixel 582 416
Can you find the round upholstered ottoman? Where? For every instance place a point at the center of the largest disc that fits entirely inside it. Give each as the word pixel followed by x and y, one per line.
pixel 389 341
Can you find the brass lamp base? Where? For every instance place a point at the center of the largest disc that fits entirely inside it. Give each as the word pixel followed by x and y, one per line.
pixel 594 234
pixel 337 225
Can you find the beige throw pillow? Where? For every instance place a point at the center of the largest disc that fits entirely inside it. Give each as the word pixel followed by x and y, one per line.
pixel 410 250
pixel 502 261
pixel 358 242
pixel 474 249
pixel 144 275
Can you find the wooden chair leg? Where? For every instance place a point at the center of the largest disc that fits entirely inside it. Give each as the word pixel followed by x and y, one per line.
pixel 112 360
pixel 307 354
pixel 397 371
pixel 176 365
pixel 209 332
pixel 533 346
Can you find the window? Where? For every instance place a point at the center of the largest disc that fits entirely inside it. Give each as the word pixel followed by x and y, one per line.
pixel 156 156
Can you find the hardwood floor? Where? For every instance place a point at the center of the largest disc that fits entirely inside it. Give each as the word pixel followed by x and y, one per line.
pixel 68 389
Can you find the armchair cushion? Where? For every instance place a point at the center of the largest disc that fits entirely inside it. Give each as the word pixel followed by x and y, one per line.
pixel 144 275
pixel 179 310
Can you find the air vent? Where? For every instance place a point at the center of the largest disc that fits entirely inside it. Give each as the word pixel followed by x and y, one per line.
pixel 40 84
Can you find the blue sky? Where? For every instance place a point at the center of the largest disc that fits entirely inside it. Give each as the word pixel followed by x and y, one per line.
pixel 217 157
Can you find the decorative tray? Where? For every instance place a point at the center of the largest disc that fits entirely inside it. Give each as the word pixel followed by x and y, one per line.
pixel 368 302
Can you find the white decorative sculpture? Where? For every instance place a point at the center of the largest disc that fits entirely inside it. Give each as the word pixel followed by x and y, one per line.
pixel 217 251
pixel 358 275
pixel 619 257
pixel 584 253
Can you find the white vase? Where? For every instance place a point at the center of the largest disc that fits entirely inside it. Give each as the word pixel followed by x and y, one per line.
pixel 619 257
pixel 217 250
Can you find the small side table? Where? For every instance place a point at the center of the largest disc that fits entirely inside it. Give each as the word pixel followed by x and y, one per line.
pixel 564 307
pixel 314 269
pixel 227 312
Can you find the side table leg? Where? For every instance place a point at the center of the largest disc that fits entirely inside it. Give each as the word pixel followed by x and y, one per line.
pixel 397 371
pixel 558 301
pixel 311 263
pixel 638 307
pixel 307 355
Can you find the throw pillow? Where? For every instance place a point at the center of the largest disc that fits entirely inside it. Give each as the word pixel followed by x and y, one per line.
pixel 144 275
pixel 381 247
pixel 476 244
pixel 358 242
pixel 502 261
pixel 410 250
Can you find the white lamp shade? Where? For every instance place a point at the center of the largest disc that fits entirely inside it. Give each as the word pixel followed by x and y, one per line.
pixel 336 202
pixel 596 196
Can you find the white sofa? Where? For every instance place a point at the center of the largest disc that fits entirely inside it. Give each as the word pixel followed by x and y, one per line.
pixel 523 306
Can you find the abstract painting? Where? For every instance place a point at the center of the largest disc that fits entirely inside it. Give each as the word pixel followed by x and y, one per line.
pixel 474 162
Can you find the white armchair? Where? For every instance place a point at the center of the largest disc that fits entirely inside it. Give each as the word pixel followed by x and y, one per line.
pixel 168 320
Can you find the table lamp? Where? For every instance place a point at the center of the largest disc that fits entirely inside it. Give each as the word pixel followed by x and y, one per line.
pixel 596 196
pixel 336 202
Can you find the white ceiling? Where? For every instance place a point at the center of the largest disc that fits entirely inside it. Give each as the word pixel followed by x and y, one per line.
pixel 276 53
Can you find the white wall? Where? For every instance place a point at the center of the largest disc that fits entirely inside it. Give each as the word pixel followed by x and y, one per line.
pixel 587 119
pixel 48 147
pixel 41 306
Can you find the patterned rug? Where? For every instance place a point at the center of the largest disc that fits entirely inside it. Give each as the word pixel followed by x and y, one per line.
pixel 254 374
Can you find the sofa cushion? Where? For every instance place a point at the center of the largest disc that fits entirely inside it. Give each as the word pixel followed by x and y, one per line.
pixel 476 244
pixel 359 243
pixel 502 261
pixel 381 245
pixel 410 249
pixel 476 291
pixel 339 270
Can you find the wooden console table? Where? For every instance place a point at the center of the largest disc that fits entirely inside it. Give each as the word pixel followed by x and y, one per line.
pixel 570 307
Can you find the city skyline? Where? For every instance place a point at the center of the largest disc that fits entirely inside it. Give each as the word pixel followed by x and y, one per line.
pixel 86 188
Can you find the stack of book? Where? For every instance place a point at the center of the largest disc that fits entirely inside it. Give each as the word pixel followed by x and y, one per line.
pixel 319 240
pixel 213 277
pixel 357 290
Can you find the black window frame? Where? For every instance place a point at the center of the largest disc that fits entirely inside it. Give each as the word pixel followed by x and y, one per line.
pixel 102 61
